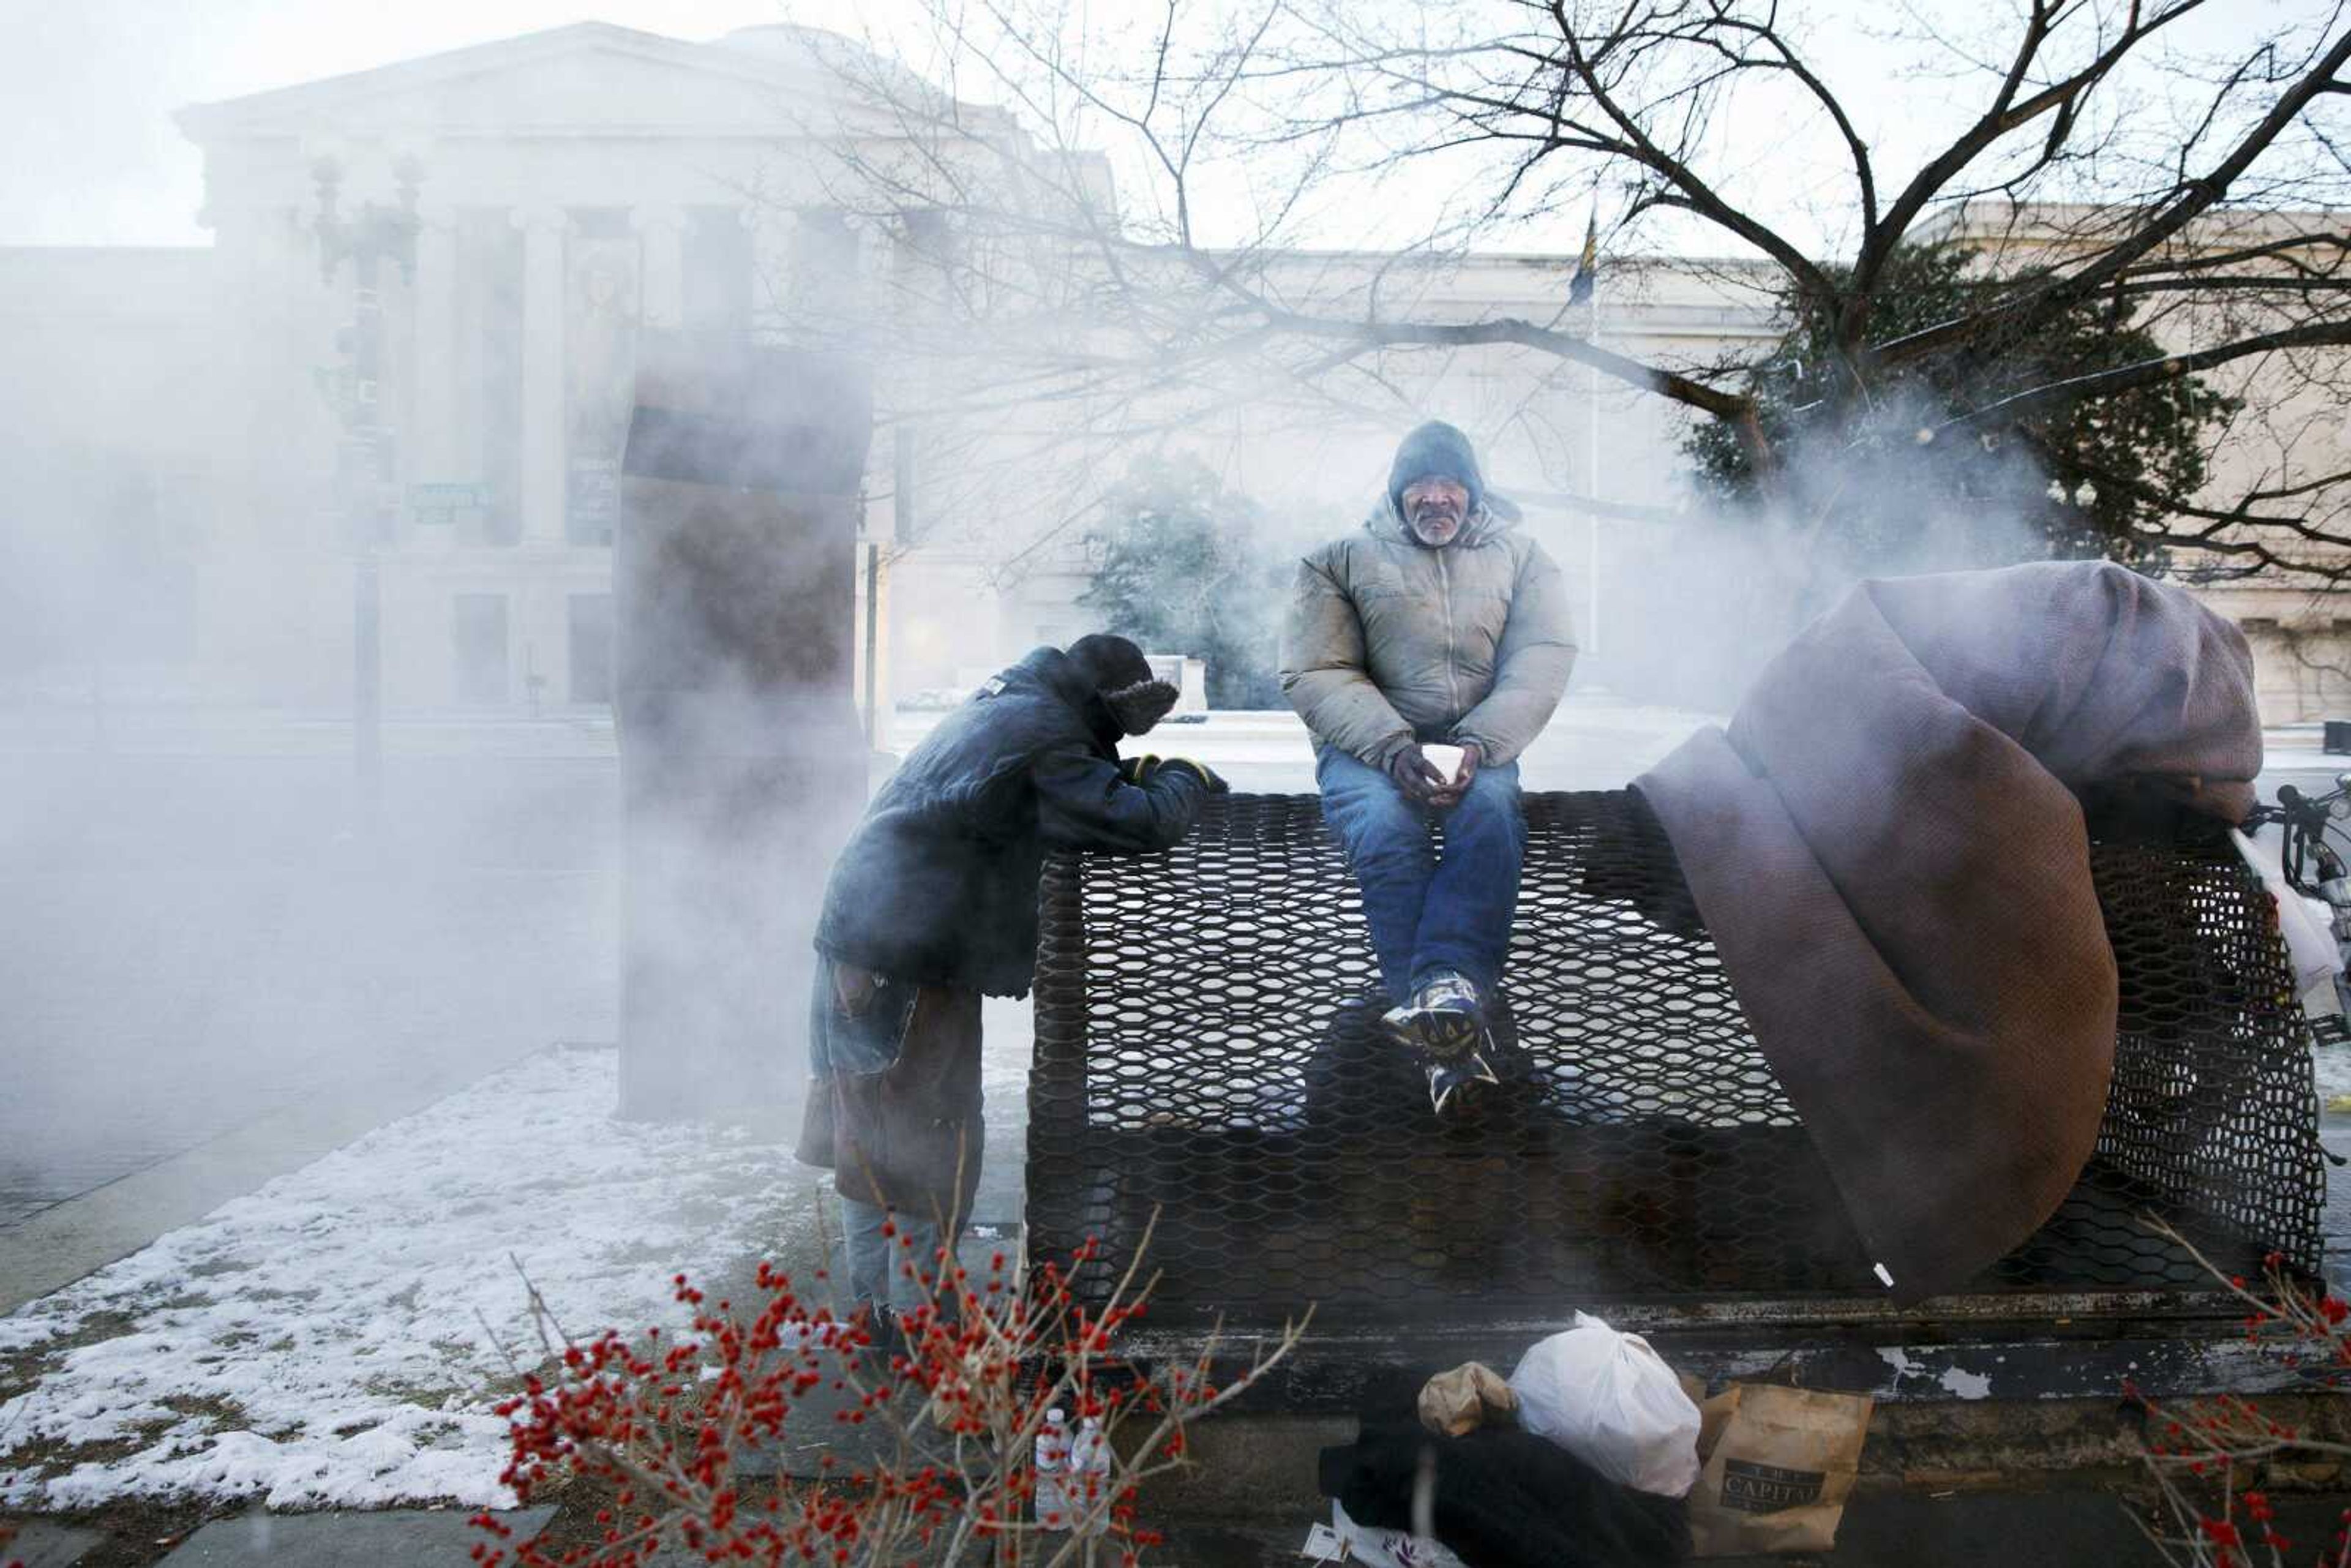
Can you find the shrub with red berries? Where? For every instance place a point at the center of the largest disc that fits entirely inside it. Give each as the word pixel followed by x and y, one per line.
pixel 953 1405
pixel 2207 1454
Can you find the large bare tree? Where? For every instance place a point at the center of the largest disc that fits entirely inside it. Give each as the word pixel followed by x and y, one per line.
pixel 2128 151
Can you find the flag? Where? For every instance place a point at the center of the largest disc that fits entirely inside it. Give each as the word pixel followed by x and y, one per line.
pixel 1587 265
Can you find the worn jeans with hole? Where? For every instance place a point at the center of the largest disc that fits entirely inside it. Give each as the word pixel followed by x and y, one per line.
pixel 877 1263
pixel 1428 914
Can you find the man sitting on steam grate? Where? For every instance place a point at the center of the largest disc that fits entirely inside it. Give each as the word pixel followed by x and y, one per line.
pixel 1425 652
pixel 933 904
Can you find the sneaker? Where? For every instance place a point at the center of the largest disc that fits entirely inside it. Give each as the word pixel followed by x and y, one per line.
pixel 1445 1026
pixel 1444 1016
pixel 885 1338
pixel 1453 1084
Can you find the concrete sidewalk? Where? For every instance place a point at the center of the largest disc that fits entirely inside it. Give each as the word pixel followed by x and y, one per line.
pixel 64 1241
pixel 2060 1528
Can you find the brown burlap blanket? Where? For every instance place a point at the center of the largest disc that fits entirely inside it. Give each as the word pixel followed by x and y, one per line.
pixel 1888 847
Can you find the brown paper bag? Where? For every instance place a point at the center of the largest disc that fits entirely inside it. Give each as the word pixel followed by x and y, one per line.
pixel 1779 1465
pixel 1713 1415
pixel 1471 1396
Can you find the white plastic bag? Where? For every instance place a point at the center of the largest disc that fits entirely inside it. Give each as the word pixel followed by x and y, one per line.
pixel 1610 1400
pixel 2309 933
pixel 1390 1548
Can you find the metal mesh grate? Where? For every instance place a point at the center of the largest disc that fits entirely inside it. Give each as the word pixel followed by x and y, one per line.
pixel 1206 1048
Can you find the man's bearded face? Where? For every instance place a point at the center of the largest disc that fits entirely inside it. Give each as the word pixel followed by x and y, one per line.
pixel 1436 506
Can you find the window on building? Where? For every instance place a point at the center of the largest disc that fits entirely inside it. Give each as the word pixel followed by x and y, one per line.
pixel 479 629
pixel 715 265
pixel 590 648
pixel 930 235
pixel 824 273
pixel 928 270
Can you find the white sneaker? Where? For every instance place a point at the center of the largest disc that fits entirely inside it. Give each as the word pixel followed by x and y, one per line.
pixel 1444 1016
pixel 1445 1026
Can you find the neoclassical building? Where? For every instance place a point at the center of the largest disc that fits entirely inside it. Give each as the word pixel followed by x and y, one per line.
pixel 568 189
pixel 412 336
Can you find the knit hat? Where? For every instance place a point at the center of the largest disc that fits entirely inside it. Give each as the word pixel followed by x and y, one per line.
pixel 1123 678
pixel 1436 448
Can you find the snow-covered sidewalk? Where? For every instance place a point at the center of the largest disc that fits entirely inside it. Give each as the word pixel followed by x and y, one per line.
pixel 322 1342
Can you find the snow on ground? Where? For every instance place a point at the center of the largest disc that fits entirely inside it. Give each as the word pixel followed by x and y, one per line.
pixel 322 1342
pixel 2333 1063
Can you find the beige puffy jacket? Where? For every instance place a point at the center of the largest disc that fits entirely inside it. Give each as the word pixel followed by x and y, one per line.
pixel 1389 641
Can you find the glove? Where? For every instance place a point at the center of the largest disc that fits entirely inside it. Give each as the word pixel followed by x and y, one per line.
pixel 1140 770
pixel 1415 774
pixel 1209 781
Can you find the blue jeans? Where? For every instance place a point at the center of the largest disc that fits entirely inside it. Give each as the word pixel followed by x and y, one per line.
pixel 1428 913
pixel 877 1263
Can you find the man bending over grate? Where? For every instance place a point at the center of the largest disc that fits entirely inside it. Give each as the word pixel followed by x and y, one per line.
pixel 1437 624
pixel 933 904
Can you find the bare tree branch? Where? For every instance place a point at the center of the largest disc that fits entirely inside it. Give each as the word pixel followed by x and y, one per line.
pixel 2190 201
pixel 2054 395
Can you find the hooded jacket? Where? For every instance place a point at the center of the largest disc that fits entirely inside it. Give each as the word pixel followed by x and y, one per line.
pixel 1389 640
pixel 938 885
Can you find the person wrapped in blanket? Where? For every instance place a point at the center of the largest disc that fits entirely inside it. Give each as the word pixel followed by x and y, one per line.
pixel 933 905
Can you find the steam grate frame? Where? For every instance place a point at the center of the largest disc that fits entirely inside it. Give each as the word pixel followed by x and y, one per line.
pixel 1207 1049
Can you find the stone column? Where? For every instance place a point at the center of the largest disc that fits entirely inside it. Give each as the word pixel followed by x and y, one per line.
pixel 288 331
pixel 542 373
pixel 244 300
pixel 433 359
pixel 661 231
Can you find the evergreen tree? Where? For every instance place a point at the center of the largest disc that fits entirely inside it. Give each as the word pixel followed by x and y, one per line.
pixel 1881 488
pixel 1184 565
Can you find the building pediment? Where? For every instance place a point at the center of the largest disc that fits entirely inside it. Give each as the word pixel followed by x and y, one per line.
pixel 589 79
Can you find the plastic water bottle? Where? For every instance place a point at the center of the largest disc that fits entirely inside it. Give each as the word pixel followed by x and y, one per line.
pixel 1052 1471
pixel 1088 1486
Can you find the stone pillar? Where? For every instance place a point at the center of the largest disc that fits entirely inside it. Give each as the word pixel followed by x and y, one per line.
pixel 264 530
pixel 433 359
pixel 543 477
pixel 742 764
pixel 662 232
pixel 247 297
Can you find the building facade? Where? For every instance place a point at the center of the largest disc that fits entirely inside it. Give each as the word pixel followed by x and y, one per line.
pixel 410 345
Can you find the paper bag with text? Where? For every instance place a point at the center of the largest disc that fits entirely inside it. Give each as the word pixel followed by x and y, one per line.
pixel 1781 1464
